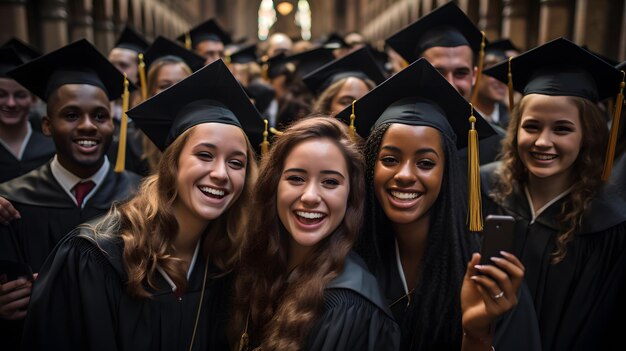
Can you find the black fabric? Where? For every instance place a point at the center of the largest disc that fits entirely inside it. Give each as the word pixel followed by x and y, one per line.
pixel 355 316
pixel 26 51
pixel 208 30
pixel 163 47
pixel 39 150
pixel 130 39
pixel 580 301
pixel 618 175
pixel 245 54
pixel 9 59
pixel 80 303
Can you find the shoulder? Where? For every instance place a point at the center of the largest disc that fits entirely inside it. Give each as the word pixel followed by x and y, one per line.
pixel 608 209
pixel 37 187
pixel 355 284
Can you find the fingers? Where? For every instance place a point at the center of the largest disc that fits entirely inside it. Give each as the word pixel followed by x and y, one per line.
pixel 14 299
pixel 7 212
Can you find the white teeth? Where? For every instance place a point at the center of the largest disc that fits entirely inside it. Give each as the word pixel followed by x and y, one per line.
pixel 87 143
pixel 404 196
pixel 310 215
pixel 543 156
pixel 212 191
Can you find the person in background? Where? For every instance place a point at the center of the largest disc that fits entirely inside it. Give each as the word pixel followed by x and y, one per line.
pixel 570 226
pixel 153 273
pixel 208 39
pixel 78 184
pixel 299 286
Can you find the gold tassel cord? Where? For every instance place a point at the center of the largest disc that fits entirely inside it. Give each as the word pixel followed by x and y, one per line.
pixel 188 41
pixel 617 114
pixel 275 131
pixel 479 74
pixel 142 78
pixel 352 118
pixel 120 163
pixel 475 217
pixel 509 83
pixel 265 144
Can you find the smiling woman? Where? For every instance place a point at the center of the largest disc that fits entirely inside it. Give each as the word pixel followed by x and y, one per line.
pixel 299 286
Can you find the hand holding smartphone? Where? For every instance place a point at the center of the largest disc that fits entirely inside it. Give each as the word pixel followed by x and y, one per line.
pixel 497 236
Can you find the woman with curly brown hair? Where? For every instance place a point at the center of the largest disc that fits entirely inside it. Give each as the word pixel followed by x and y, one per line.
pixel 154 273
pixel 299 286
pixel 571 228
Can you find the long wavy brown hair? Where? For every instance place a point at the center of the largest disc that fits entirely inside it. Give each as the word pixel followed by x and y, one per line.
pixel 279 307
pixel 148 227
pixel 513 175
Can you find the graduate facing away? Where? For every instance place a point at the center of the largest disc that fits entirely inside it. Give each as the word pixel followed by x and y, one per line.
pixel 299 286
pixel 153 274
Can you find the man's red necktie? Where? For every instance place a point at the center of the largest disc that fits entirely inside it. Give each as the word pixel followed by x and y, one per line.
pixel 81 190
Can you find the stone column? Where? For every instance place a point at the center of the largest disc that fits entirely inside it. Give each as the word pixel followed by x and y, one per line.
pixel 104 29
pixel 490 13
pixel 514 22
pixel 81 20
pixel 53 19
pixel 554 20
pixel 14 21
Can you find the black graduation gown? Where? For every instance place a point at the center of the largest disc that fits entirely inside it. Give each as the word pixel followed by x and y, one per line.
pixel 618 175
pixel 48 214
pixel 39 150
pixel 80 302
pixel 579 302
pixel 355 314
pixel 515 331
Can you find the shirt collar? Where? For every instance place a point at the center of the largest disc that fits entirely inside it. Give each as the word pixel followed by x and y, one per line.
pixel 68 180
pixel 20 153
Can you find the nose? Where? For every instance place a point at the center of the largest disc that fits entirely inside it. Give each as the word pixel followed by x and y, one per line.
pixel 87 124
pixel 544 139
pixel 310 196
pixel 406 174
pixel 11 100
pixel 219 173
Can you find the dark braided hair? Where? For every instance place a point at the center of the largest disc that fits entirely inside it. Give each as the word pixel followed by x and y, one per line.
pixel 433 321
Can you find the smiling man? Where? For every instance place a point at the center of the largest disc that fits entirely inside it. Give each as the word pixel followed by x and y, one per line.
pixel 77 83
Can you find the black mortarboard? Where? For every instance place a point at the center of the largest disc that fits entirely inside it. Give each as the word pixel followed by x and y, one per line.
pixel 500 47
pixel 9 59
pixel 208 30
pixel 359 63
pixel 299 64
pixel 25 51
pixel 417 95
pixel 606 59
pixel 261 93
pixel 210 95
pixel 163 47
pixel 621 66
pixel 334 41
pixel 76 63
pixel 244 55
pixel 131 40
pixel 560 67
pixel 445 26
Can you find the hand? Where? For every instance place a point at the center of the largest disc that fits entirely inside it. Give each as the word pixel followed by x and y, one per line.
pixel 7 211
pixel 489 291
pixel 14 298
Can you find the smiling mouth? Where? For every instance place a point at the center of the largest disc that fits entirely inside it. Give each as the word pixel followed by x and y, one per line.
pixel 307 217
pixel 212 192
pixel 86 143
pixel 405 196
pixel 543 156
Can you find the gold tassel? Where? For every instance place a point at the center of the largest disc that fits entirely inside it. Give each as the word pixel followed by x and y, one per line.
pixel 475 216
pixel 275 131
pixel 265 144
pixel 142 78
pixel 120 163
pixel 509 83
pixel 617 114
pixel 479 74
pixel 352 118
pixel 188 45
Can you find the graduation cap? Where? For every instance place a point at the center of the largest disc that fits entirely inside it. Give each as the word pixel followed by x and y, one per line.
pixel 76 63
pixel 9 59
pixel 562 68
pixel 334 41
pixel 261 93
pixel 299 64
pixel 445 26
pixel 606 59
pixel 621 66
pixel 25 51
pixel 208 30
pixel 131 40
pixel 359 63
pixel 210 95
pixel 500 47
pixel 246 54
pixel 420 96
pixel 165 48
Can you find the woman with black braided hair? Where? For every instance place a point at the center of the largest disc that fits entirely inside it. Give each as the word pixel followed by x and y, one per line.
pixel 415 238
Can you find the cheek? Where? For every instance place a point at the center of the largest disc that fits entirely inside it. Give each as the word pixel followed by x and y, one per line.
pixel 238 179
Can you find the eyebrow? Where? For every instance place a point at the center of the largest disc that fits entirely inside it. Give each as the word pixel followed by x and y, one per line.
pixel 213 146
pixel 326 171
pixel 420 151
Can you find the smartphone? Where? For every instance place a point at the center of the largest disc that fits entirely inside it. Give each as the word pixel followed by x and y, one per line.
pixel 497 236
pixel 12 270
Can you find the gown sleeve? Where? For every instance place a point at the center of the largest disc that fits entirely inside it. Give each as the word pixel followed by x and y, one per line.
pixel 351 322
pixel 73 304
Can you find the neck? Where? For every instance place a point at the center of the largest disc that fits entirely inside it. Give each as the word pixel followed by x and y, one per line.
pixel 542 190
pixel 412 239
pixel 297 254
pixel 484 105
pixel 190 229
